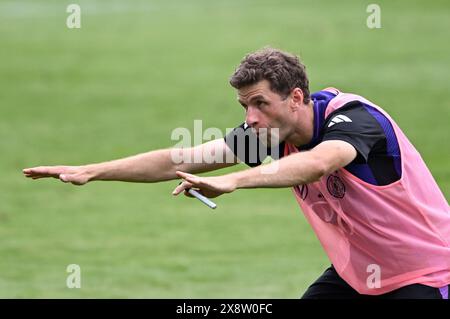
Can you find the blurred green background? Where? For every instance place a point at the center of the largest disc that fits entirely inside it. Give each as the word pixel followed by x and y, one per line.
pixel 138 69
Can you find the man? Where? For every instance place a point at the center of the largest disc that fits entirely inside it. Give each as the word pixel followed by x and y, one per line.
pixel 363 187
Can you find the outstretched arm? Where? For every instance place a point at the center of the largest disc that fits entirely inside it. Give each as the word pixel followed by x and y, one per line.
pixel 296 169
pixel 154 166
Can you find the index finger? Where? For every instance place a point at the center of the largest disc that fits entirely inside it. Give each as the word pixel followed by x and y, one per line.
pixel 42 171
pixel 181 187
pixel 189 177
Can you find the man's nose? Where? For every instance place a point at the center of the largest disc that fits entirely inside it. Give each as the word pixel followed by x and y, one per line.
pixel 251 117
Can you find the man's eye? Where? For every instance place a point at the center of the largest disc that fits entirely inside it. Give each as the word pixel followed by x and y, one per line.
pixel 260 103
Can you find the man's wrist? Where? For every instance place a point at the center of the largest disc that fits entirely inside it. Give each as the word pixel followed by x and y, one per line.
pixel 91 171
pixel 238 180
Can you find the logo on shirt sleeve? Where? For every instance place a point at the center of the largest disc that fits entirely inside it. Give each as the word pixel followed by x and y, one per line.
pixel 339 119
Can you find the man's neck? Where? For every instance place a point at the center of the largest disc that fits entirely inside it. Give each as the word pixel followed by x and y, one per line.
pixel 304 132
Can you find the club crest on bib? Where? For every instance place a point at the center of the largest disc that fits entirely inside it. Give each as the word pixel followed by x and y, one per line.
pixel 335 186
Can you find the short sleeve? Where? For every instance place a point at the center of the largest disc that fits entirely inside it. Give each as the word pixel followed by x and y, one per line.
pixel 353 124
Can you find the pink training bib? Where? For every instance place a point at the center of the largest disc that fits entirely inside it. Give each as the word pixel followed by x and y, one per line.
pixel 381 238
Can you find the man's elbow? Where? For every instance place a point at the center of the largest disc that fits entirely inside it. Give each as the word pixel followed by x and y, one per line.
pixel 323 167
pixel 319 169
pixel 330 156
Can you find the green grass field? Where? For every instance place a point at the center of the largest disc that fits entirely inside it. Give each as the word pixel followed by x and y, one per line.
pixel 138 69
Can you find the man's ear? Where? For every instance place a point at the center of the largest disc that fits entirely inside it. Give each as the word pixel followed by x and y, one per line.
pixel 297 97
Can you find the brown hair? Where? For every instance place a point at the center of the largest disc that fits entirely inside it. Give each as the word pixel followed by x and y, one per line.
pixel 283 70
